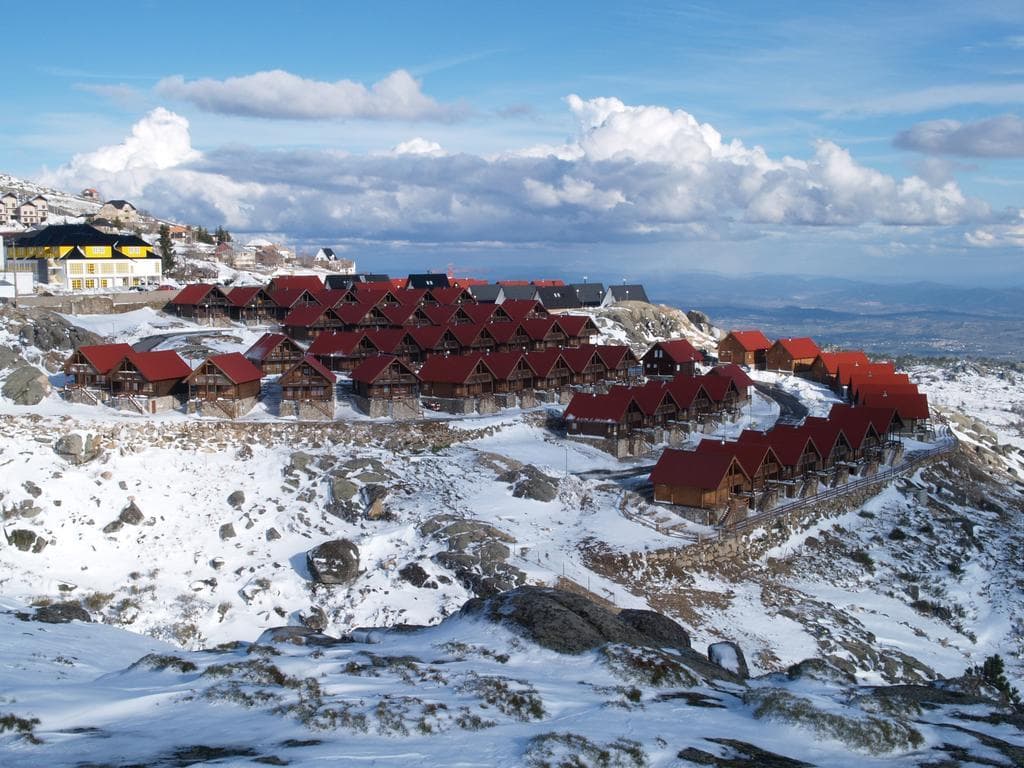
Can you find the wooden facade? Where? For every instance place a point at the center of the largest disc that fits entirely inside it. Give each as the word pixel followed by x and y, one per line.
pixel 748 348
pixel 792 355
pixel 274 353
pixel 307 381
pixel 385 378
pixel 224 377
pixel 693 479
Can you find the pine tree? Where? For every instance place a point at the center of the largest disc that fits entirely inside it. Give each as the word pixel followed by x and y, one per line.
pixel 222 236
pixel 166 248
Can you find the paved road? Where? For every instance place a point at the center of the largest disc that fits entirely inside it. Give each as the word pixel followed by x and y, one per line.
pixel 149 343
pixel 791 410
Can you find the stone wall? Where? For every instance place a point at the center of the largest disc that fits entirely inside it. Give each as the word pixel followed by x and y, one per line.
pixel 99 304
pixel 401 409
pixel 306 410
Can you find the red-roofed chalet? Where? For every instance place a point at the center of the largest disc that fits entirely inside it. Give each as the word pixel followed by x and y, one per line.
pixel 614 415
pixel 669 358
pixel 228 376
pixel 694 479
pixel 89 366
pixel 274 353
pixel 149 375
pixel 825 367
pixel 456 377
pixel 744 348
pixel 308 380
pixel 385 377
pixel 795 355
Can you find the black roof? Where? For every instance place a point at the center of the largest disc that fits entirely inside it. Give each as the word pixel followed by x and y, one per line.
pixel 75 234
pixel 520 291
pixel 558 297
pixel 429 280
pixel 486 294
pixel 119 204
pixel 344 282
pixel 589 294
pixel 628 293
pixel 328 252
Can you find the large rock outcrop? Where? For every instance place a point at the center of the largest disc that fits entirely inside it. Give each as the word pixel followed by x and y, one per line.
pixel 26 385
pixel 77 448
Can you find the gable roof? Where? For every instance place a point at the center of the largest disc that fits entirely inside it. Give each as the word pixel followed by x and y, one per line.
pixel 846 371
pixel 338 343
pixel 789 443
pixel 651 396
pixel 192 294
pixel 489 293
pixel 693 469
pixel 678 351
pixel 907 405
pixel 751 341
pixel 750 455
pixel 588 294
pixel 372 368
pixel 311 283
pixel 266 344
pixel 303 316
pixel 833 360
pixel 732 371
pixel 313 363
pixel 520 309
pixel 580 357
pixel 552 297
pixel 161 365
pixel 427 280
pixel 799 348
pixel 243 294
pixel 234 365
pixel 610 408
pixel 103 357
pixel 685 389
pixel 502 364
pixel 612 354
pixel 574 325
pixel 451 370
pixel 882 418
pixel 521 292
pixel 543 361
pixel 826 434
pixel 628 293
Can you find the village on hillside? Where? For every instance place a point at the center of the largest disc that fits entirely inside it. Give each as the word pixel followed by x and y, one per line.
pixel 727 441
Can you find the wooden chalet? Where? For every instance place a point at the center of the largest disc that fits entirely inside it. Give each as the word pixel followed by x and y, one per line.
pixel 657 403
pixel 474 338
pixel 613 415
pixel 619 361
pixel 551 371
pixel 759 461
pixel 228 376
pixel 509 337
pixel 741 381
pixel 860 386
pixel 586 364
pixel 307 321
pixel 831 440
pixel 825 367
pixel 274 353
pixel 911 409
pixel 311 283
pixel 792 355
pixel 866 429
pixel 456 376
pixel 308 381
pixel 670 358
pixel 287 299
pixel 748 348
pixel 544 333
pixel 149 375
pixel 847 373
pixel 202 302
pixel 436 341
pixel 89 366
pixel 343 350
pixel 798 454
pixel 523 309
pixel 251 304
pixel 692 399
pixel 449 296
pixel 723 392
pixel 578 329
pixel 512 374
pixel 385 377
pixel 695 479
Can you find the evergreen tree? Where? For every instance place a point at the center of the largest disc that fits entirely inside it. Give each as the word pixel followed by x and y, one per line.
pixel 166 248
pixel 222 236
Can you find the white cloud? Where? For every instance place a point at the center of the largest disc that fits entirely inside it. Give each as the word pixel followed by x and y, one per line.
pixel 1001 136
pixel 631 173
pixel 931 98
pixel 280 94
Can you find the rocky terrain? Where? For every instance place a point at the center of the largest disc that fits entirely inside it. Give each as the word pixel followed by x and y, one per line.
pixel 286 593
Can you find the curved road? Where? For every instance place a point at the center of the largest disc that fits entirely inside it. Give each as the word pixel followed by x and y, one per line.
pixel 791 410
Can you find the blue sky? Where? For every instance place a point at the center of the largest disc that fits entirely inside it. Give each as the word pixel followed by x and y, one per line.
pixel 869 139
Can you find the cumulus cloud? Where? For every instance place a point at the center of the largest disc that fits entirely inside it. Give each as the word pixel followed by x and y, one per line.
pixel 280 94
pixel 1001 136
pixel 630 174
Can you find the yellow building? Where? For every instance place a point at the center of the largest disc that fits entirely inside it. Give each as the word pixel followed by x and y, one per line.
pixel 81 258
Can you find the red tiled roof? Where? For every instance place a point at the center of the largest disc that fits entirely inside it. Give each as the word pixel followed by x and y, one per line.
pixel 439 314
pixel 503 332
pixel 750 455
pixel 287 297
pixel 162 365
pixel 386 339
pixel 611 354
pixel 451 295
pixel 799 348
pixel 716 387
pixel 466 282
pixel 513 282
pixel 856 424
pixel 578 359
pixel 468 333
pixel 372 368
pixel 243 294
pixel 428 336
pixel 789 443
pixel 410 295
pixel 692 469
pixel 330 297
pixel 751 341
pixel 847 371
pixel 350 314
pixel 235 366
pixel 303 316
pixel 573 325
pixel 732 371
pixel 685 389
pixel 907 406
pixel 450 370
pixel 264 345
pixel 548 283
pixel 543 361
pixel 678 351
pixel 400 314
pixel 873 389
pixel 316 365
pixel 610 408
pixel 826 434
pixel 538 328
pixel 192 294
pixel 518 309
pixel 480 313
pixel 103 357
pixel 833 360
pixel 650 396
pixel 310 283
pixel 502 364
pixel 337 343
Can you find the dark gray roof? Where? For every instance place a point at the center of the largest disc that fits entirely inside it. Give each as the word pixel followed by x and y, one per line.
pixel 487 294
pixel 589 294
pixel 429 280
pixel 120 204
pixel 344 282
pixel 75 234
pixel 628 293
pixel 328 253
pixel 558 297
pixel 520 291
